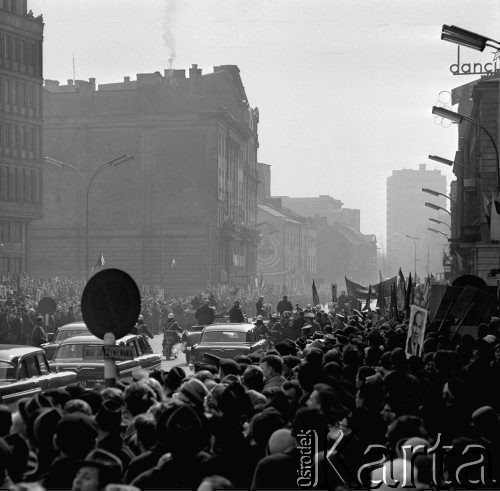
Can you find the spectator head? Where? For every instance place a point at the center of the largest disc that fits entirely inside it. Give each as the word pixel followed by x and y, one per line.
pixel 323 398
pixel 308 375
pixel 291 389
pixel 5 420
pixel 272 366
pixel 289 363
pixel 99 469
pixel 405 427
pixel 77 406
pixel 257 400
pixel 280 441
pixel 138 398
pixel 253 378
pixel 193 393
pixel 309 419
pixel 183 431
pixel 76 435
pixel 145 427
pixel 173 379
pixel 228 366
pixel 109 416
pixel 285 298
pixel 363 373
pixel 264 424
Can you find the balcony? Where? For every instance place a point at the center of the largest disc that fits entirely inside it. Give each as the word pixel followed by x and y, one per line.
pixel 470 234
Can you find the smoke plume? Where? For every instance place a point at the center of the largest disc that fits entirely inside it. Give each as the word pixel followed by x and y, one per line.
pixel 168 36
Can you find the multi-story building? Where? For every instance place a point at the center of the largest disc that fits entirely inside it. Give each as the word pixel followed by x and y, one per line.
pixel 182 215
pixel 407 215
pixel 287 250
pixel 21 37
pixel 324 206
pixel 476 168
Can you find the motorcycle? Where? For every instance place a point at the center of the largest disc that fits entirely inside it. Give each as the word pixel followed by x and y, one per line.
pixel 170 339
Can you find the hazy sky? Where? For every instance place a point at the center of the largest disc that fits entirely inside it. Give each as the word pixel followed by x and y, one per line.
pixel 344 87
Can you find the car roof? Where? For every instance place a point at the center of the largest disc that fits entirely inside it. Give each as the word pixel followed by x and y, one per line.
pixel 72 326
pixel 10 351
pixel 229 327
pixel 92 339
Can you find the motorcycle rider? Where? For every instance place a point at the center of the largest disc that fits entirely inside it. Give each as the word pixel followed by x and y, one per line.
pixel 142 329
pixel 171 335
pixel 260 328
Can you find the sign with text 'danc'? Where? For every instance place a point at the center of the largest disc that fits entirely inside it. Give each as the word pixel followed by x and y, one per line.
pixel 111 302
pixel 118 353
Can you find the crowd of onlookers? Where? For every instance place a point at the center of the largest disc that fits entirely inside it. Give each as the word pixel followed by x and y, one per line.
pixel 247 422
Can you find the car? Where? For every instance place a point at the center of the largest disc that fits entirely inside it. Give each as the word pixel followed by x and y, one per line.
pixel 69 355
pixel 227 341
pixel 62 333
pixel 24 372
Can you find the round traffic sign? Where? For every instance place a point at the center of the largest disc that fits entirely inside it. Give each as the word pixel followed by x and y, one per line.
pixel 111 302
pixel 47 306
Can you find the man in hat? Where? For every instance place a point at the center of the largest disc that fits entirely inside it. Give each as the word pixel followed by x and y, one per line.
pixel 236 314
pixel 284 305
pixel 38 336
pixel 259 307
pixel 205 315
pixel 99 469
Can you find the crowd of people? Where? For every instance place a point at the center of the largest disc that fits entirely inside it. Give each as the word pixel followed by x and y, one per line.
pixel 342 378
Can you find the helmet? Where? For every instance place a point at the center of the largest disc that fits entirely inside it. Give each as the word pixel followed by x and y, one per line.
pixel 170 316
pixel 140 318
pixel 259 317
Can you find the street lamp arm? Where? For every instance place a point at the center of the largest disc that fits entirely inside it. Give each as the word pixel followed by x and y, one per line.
pixel 61 163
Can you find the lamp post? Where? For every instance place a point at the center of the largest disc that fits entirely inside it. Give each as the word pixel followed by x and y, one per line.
pixel 415 256
pixel 466 38
pixel 87 184
pixel 437 194
pixel 444 161
pixel 436 231
pixel 455 117
pixel 436 207
pixel 439 222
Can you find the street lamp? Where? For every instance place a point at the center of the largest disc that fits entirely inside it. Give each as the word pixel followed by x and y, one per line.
pixel 439 222
pixel 436 193
pixel 415 257
pixel 88 186
pixel 466 38
pixel 436 207
pixel 455 117
pixel 436 231
pixel 444 161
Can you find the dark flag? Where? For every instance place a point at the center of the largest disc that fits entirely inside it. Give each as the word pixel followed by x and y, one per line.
pixel 409 289
pixel 315 295
pixel 381 297
pixel 401 292
pixel 99 264
pixel 334 292
pixel 394 301
pixel 368 298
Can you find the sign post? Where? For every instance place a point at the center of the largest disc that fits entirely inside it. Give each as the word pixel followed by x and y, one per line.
pixel 111 304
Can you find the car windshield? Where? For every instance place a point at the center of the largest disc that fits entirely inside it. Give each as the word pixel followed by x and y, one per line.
pixel 69 333
pixel 7 371
pixel 75 352
pixel 224 337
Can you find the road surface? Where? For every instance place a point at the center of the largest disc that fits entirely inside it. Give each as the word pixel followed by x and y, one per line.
pixel 156 344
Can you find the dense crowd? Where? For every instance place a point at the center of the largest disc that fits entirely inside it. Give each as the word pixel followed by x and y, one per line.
pixel 342 379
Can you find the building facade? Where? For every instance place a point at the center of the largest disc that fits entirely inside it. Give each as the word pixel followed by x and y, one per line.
pixel 21 69
pixel 287 249
pixel 182 215
pixel 476 168
pixel 324 206
pixel 407 215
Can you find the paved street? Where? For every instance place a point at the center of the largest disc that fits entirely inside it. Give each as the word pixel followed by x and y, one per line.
pixel 168 364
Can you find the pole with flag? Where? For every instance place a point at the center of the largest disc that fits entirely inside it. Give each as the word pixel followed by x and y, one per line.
pixel 409 289
pixel 368 298
pixel 99 263
pixel 315 294
pixel 380 297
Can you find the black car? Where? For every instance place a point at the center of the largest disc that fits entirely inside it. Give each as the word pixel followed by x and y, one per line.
pixel 62 333
pixel 24 371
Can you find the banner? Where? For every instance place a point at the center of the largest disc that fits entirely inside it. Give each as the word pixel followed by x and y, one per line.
pixel 416 331
pixel 361 292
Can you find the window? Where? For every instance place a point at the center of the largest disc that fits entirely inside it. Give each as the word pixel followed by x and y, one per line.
pixel 32 96
pixel 23 95
pixel 8 47
pixel 8 136
pixel 4 264
pixel 30 366
pixel 42 364
pixel 32 54
pixel 33 186
pixel 15 89
pixel 7 91
pixel 16 49
pixel 32 139
pixel 25 138
pixel 24 52
pixel 7 370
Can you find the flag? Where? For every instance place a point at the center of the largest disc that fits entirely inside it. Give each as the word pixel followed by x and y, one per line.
pixel 99 264
pixel 408 294
pixel 394 300
pixel 315 294
pixel 358 291
pixel 381 297
pixel 334 292
pixel 401 289
pixel 368 298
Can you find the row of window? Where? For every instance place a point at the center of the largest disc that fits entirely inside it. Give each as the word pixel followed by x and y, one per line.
pixel 20 140
pixel 10 264
pixel 20 93
pixel 10 231
pixel 24 52
pixel 20 184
